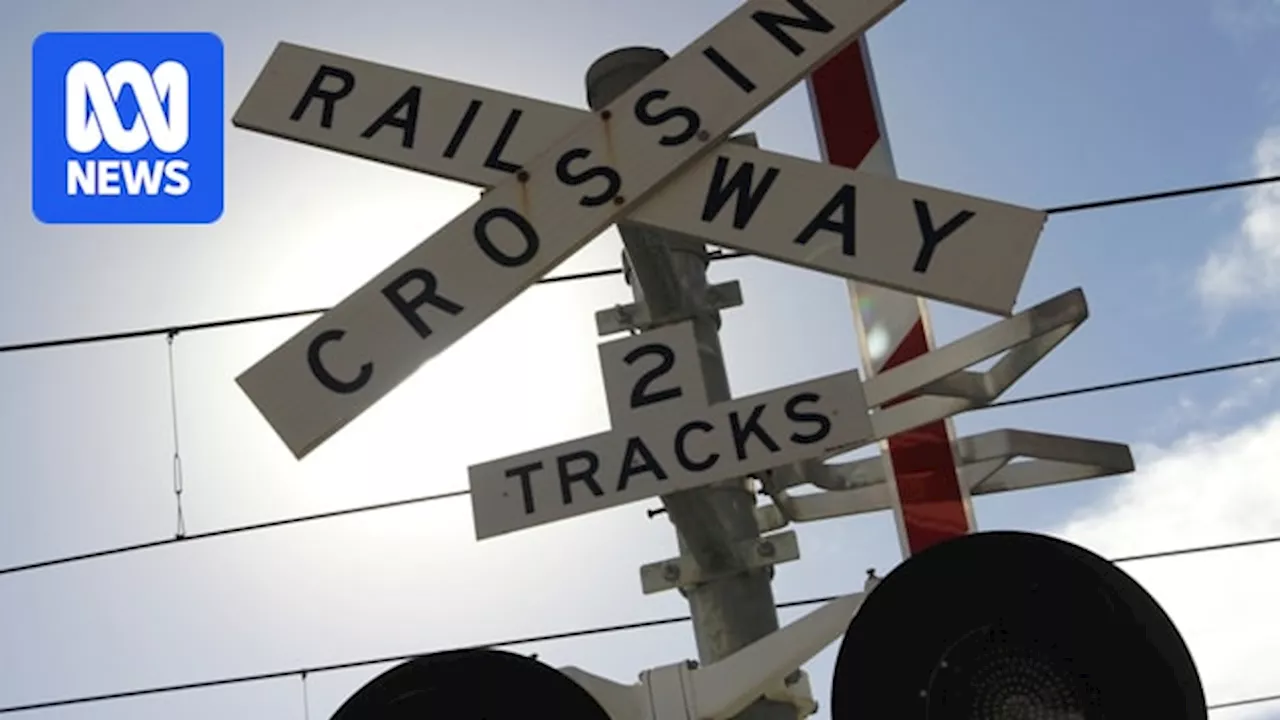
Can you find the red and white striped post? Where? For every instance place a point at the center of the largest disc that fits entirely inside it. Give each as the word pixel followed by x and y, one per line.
pixel 930 504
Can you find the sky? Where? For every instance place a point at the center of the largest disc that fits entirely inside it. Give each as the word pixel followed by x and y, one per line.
pixel 1035 103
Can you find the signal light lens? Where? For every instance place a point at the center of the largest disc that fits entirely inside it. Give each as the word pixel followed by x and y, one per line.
pixel 471 685
pixel 1013 626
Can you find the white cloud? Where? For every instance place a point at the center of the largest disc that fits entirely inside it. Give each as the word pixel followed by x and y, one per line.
pixel 1206 489
pixel 1219 486
pixel 1246 270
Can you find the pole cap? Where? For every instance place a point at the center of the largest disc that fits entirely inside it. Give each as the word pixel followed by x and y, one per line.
pixel 615 72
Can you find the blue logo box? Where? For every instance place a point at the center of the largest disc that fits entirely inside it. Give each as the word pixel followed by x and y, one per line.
pixel 127 128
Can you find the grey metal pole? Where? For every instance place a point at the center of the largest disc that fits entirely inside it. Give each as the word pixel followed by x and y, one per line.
pixel 668 271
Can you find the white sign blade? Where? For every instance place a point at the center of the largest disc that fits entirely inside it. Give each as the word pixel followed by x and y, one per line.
pixel 449 129
pixel 668 452
pixel 741 197
pixel 363 348
pixel 940 244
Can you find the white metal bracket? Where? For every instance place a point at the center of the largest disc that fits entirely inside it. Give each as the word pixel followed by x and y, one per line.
pixel 766 668
pixel 635 316
pixel 988 463
pixel 796 691
pixel 937 382
pixel 938 385
pixel 684 571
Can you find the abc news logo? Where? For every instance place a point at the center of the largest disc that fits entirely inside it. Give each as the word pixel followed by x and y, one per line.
pixel 127 128
pixel 165 128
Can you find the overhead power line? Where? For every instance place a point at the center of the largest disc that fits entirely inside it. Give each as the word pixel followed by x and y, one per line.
pixel 235 530
pixel 122 549
pixel 1135 382
pixel 1257 700
pixel 606 272
pixel 1161 195
pixel 720 255
pixel 514 642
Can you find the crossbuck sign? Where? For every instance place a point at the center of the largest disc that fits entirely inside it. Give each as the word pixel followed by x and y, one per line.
pixel 626 160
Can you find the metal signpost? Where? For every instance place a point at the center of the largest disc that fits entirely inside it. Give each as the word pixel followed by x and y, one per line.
pixel 654 155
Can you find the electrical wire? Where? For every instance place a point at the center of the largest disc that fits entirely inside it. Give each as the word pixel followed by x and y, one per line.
pixel 235 530
pixel 1133 382
pixel 723 255
pixel 173 330
pixel 549 637
pixel 1258 700
pixel 1254 542
pixel 605 272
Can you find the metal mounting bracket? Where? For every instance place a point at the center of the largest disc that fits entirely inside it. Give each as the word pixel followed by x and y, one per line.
pixel 684 691
pixel 936 385
pixel 796 691
pixel 684 571
pixel 635 316
pixel 986 463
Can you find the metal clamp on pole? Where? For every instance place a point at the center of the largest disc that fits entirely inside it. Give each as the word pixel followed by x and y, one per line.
pixel 636 317
pixel 684 571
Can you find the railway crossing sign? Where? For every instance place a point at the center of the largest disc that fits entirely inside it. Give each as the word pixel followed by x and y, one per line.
pixel 760 202
pixel 666 438
pixel 556 177
pixel 572 181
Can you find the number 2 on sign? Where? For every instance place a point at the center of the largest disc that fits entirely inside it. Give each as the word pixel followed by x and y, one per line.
pixel 640 393
pixel 657 371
